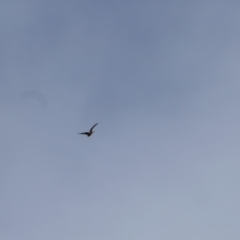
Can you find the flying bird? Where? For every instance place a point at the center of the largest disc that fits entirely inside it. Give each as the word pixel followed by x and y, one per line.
pixel 90 131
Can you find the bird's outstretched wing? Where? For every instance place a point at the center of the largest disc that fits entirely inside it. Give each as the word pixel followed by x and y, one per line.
pixel 86 133
pixel 93 127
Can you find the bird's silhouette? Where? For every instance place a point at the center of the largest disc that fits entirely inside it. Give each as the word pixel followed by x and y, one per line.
pixel 90 131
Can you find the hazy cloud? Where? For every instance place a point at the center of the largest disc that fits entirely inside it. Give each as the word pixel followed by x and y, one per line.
pixel 161 78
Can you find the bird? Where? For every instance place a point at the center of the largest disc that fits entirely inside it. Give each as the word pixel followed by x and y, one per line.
pixel 90 131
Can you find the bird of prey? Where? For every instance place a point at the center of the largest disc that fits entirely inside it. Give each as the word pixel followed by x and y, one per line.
pixel 90 131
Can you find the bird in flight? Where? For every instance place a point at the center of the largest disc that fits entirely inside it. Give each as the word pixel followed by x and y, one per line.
pixel 90 131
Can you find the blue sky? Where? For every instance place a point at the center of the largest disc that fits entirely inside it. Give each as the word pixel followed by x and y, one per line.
pixel 162 80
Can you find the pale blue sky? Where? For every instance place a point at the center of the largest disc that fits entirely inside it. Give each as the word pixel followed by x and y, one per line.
pixel 162 80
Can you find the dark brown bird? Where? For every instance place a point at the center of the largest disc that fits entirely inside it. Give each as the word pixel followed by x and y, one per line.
pixel 90 131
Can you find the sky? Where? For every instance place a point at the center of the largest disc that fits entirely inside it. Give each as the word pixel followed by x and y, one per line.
pixel 161 79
